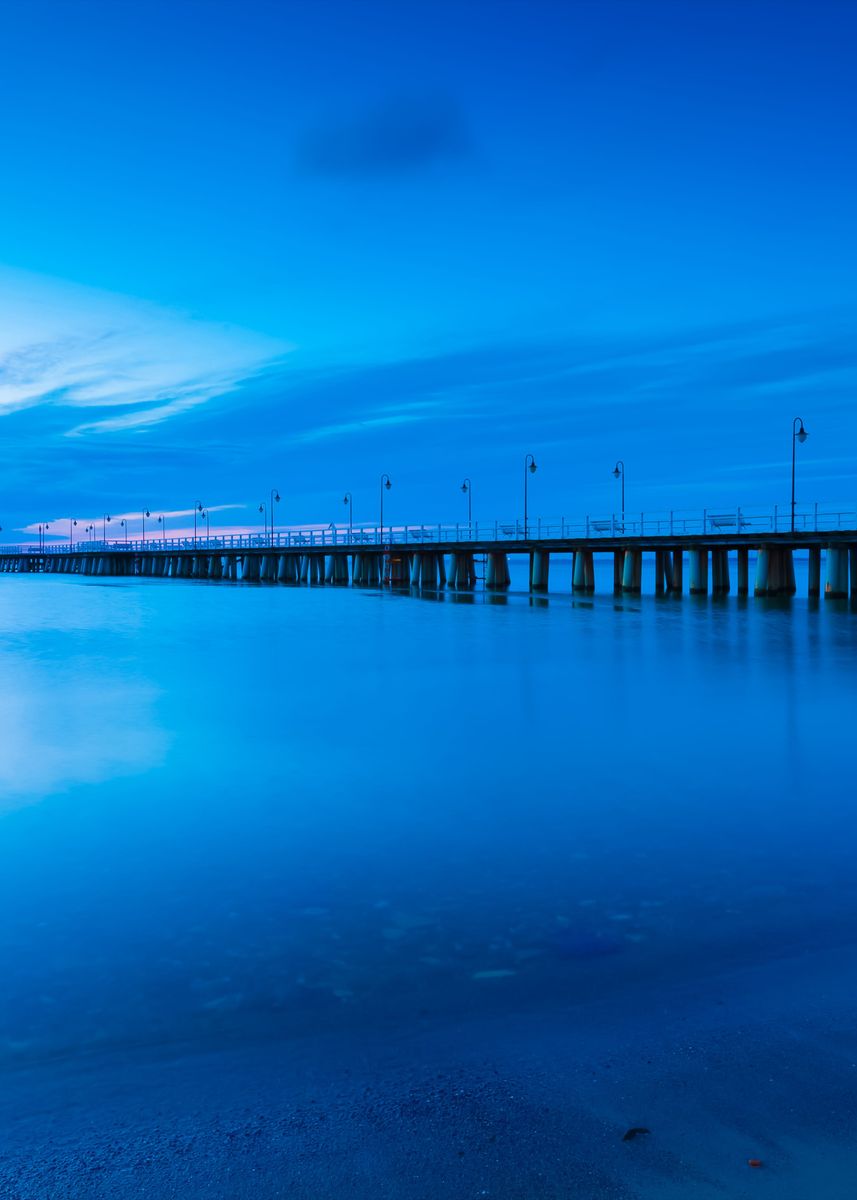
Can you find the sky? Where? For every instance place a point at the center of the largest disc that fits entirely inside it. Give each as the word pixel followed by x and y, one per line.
pixel 298 244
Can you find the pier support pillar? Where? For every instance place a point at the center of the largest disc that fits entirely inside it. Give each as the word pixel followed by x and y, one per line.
pixel 539 570
pixel 698 571
pixel 583 573
pixel 719 571
pixel 632 571
pixel 461 571
pixel 743 570
pixel 814 571
pixel 852 556
pixel 497 570
pixel 677 579
pixel 836 584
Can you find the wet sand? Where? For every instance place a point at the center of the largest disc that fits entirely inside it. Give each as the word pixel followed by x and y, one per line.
pixel 758 1062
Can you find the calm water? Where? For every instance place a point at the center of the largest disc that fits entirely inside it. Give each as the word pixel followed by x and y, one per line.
pixel 315 890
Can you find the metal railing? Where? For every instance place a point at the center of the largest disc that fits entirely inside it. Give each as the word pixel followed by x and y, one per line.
pixel 746 522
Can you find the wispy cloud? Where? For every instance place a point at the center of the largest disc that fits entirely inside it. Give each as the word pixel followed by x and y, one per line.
pixel 402 135
pixel 72 347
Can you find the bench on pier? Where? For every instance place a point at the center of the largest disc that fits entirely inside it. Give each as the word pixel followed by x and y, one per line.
pixel 726 521
pixel 607 526
pixel 509 531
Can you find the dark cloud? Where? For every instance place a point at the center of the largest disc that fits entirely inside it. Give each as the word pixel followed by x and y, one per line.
pixel 400 136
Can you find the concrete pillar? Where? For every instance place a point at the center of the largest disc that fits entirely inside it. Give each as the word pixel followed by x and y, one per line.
pixel 677 580
pixel 461 570
pixel 814 571
pixel 836 584
pixel 660 572
pixel 632 570
pixel 743 570
pixel 719 571
pixel 539 570
pixel 578 572
pixel 852 556
pixel 699 571
pixel 763 565
pixel 497 571
pixel 618 563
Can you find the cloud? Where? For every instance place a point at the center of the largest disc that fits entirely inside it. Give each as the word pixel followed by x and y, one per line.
pixel 398 137
pixel 72 347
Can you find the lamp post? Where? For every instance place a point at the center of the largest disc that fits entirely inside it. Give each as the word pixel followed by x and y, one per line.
pixel 90 529
pixel 467 488
pixel 530 468
pixel 348 501
pixel 263 510
pixel 799 434
pixel 198 509
pixel 207 519
pixel 386 484
pixel 104 523
pixel 71 524
pixel 124 525
pixel 145 514
pixel 275 499
pixel 162 521
pixel 619 473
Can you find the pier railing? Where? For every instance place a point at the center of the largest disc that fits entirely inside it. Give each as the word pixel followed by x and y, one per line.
pixel 746 522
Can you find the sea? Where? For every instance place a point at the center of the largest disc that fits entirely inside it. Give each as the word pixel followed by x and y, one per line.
pixel 318 892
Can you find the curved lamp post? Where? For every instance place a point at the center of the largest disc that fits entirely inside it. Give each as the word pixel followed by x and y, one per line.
pixel 275 499
pixel 799 434
pixel 386 484
pixel 162 521
pixel 71 524
pixel 145 514
pixel 619 473
pixel 348 501
pixel 105 521
pixel 198 509
pixel 467 488
pixel 124 525
pixel 530 468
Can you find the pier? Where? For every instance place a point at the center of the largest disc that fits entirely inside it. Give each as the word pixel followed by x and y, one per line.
pixel 690 552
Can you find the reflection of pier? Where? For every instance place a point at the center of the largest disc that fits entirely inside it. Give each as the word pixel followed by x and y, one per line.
pixel 693 553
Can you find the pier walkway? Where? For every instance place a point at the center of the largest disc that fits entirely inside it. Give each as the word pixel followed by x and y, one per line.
pixel 436 556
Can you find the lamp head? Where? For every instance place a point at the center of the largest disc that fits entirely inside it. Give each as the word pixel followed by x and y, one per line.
pixel 147 513
pixel 465 487
pixel 802 434
pixel 616 471
pixel 388 485
pixel 533 467
pixel 277 497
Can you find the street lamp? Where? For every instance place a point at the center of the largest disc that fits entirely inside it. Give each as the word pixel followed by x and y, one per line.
pixel 207 520
pixel 145 514
pixel 71 524
pixel 799 434
pixel 275 499
pixel 124 525
pixel 386 484
pixel 467 488
pixel 195 511
pixel 348 501
pixel 90 529
pixel 529 469
pixel 104 523
pixel 162 521
pixel 619 473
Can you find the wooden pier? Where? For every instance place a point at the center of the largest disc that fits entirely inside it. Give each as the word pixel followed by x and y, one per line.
pixel 699 563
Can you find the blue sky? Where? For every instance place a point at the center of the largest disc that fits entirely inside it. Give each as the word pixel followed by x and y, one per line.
pixel 303 243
